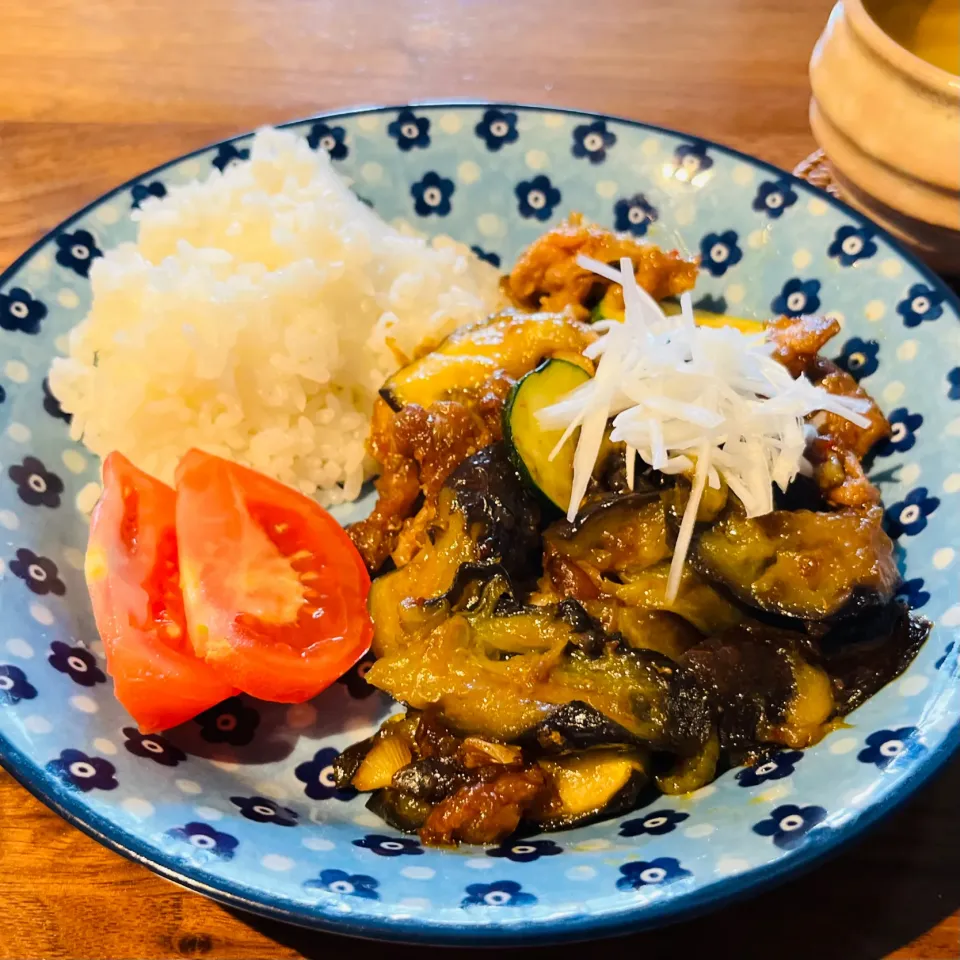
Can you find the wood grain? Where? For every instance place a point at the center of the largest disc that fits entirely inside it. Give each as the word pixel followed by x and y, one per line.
pixel 94 92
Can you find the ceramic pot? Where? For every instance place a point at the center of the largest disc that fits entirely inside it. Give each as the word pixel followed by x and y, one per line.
pixel 889 123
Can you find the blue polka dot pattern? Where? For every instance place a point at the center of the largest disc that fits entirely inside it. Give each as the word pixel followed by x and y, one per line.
pixel 788 825
pixel 537 198
pixel 497 128
pixel 592 141
pixel 332 138
pixel 797 298
pixel 144 191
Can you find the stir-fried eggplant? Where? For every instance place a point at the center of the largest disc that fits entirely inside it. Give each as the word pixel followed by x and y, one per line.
pixel 865 654
pixel 502 514
pixel 615 559
pixel 550 710
pixel 800 563
pixel 590 785
pixel 485 516
pixel 764 688
pixel 465 789
pixel 548 680
pixel 504 676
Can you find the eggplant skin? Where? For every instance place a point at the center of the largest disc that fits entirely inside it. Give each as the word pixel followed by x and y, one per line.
pixel 463 594
pixel 398 810
pixel 613 475
pixel 431 779
pixel 347 763
pixel 864 655
pixel 751 682
pixel 596 506
pixel 494 499
pixel 576 726
pixel 689 711
pixel 390 400
pixel 588 633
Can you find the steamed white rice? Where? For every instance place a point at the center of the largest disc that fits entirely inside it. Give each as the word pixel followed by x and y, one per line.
pixel 256 317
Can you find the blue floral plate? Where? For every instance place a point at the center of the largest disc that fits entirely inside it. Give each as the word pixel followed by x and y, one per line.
pixel 239 804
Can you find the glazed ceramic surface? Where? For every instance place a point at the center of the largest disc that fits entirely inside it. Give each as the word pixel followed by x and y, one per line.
pixel 890 124
pixel 239 803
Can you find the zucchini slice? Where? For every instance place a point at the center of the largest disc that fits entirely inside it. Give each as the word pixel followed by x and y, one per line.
pixel 528 444
pixel 706 318
pixel 510 343
pixel 609 309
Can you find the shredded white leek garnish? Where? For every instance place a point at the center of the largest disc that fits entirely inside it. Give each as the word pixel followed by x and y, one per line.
pixel 709 402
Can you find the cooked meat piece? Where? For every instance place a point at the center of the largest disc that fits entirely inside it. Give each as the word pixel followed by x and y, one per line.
pixel 798 340
pixel 485 812
pixel 418 449
pixel 838 382
pixel 840 476
pixel 546 275
pixel 841 445
pixel 398 488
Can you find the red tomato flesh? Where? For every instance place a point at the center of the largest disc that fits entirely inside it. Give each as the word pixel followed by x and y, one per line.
pixel 133 578
pixel 274 590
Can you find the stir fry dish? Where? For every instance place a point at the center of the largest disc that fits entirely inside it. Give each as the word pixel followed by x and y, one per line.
pixel 592 584
pixel 619 545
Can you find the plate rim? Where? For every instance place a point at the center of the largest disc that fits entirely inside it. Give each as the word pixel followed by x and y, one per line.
pixel 631 918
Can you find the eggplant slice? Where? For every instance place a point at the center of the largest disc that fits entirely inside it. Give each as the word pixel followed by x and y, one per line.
pixel 467 790
pixel 862 656
pixel 800 563
pixel 765 686
pixel 542 704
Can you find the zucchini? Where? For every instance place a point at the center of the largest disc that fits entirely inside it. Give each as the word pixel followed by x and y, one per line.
pixel 509 343
pixel 610 308
pixel 528 444
pixel 706 318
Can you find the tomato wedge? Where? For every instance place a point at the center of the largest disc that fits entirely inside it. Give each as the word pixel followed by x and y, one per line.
pixel 133 579
pixel 275 592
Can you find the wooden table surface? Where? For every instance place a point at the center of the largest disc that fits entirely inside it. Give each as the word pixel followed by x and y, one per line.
pixel 94 91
